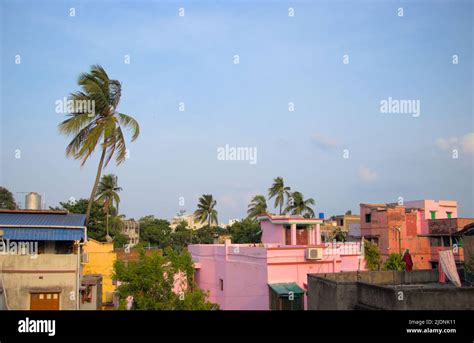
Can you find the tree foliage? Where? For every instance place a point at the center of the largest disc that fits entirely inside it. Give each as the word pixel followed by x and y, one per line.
pixel 257 206
pixel 372 256
pixel 279 191
pixel 394 262
pixel 206 211
pixel 7 201
pixel 246 231
pixel 96 228
pixel 154 285
pixel 102 127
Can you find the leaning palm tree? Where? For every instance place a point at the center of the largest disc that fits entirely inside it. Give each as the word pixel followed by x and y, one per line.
pixel 279 191
pixel 107 195
pixel 257 206
pixel 205 211
pixel 299 205
pixel 101 128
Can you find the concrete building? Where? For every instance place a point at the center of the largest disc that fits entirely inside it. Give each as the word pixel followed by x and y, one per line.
pixel 273 274
pixel 386 290
pixel 100 261
pixel 131 229
pixel 40 259
pixel 188 218
pixel 395 228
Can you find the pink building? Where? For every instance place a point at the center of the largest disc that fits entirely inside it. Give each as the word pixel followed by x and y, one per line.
pixel 273 274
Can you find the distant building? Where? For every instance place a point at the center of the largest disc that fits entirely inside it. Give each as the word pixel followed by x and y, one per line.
pixel 188 218
pixel 271 274
pixel 423 230
pixel 345 221
pixel 131 229
pixel 41 259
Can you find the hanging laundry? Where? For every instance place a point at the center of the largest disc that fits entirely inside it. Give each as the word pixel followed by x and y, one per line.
pixel 446 261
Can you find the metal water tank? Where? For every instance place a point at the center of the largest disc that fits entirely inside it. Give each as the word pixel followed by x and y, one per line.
pixel 33 201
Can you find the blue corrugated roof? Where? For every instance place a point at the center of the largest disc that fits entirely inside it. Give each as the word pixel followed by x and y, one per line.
pixel 44 219
pixel 40 234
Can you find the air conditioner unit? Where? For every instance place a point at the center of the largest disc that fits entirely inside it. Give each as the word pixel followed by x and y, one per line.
pixel 314 253
pixel 84 257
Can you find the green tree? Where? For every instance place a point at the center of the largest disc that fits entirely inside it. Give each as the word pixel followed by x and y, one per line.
pixel 96 226
pixel 371 256
pixel 278 191
pixel 394 262
pixel 103 127
pixel 107 195
pixel 298 205
pixel 338 234
pixel 156 232
pixel 257 206
pixel 152 280
pixel 206 210
pixel 246 231
pixel 182 236
pixel 7 201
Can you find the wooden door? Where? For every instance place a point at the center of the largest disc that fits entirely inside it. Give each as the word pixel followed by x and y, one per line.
pixel 287 236
pixel 44 301
pixel 302 236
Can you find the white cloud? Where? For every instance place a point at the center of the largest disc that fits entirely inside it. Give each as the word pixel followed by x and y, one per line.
pixel 367 175
pixel 324 142
pixel 468 143
pixel 447 143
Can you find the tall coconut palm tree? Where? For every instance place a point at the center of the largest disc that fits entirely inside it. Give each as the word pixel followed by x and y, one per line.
pixel 279 191
pixel 257 206
pixel 299 205
pixel 101 128
pixel 205 211
pixel 107 195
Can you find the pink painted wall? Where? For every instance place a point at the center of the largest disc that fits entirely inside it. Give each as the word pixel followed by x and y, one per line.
pixel 272 233
pixel 246 271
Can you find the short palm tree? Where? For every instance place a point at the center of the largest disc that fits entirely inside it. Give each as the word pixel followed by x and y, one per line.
pixel 107 195
pixel 205 211
pixel 102 128
pixel 279 191
pixel 298 205
pixel 257 206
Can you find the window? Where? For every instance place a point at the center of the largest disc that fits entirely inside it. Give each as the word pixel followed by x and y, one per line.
pixel 446 241
pixel 435 241
pixel 457 240
pixel 221 284
pixel 433 214
pixel 449 214
pixel 434 265
pixel 368 217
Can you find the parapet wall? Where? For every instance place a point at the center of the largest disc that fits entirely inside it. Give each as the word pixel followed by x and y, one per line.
pixel 387 290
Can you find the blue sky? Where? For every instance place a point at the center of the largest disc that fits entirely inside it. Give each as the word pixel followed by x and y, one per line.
pixel 283 59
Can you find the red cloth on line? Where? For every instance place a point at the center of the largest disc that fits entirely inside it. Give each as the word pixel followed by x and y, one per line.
pixel 408 262
pixel 441 274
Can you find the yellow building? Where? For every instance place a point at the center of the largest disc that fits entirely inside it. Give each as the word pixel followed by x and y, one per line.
pixel 101 258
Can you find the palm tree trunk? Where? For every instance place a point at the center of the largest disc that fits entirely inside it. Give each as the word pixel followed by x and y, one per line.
pixel 281 204
pixel 107 222
pixel 96 183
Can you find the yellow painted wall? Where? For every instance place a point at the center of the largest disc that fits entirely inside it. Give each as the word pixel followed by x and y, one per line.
pixel 101 261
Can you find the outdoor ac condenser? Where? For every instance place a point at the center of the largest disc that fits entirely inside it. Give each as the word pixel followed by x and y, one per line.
pixel 314 253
